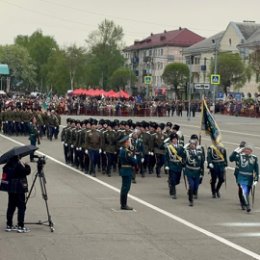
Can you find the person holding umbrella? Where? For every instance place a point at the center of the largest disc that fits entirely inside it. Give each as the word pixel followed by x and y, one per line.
pixel 15 172
pixel 18 186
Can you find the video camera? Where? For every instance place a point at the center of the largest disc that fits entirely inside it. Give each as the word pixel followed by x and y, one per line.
pixel 41 161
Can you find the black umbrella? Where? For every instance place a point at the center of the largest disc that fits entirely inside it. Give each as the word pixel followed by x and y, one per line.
pixel 20 151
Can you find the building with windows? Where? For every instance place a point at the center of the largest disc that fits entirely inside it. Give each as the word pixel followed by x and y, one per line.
pixel 200 55
pixel 149 56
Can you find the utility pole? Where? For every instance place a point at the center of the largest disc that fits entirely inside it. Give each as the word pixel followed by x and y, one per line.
pixel 189 88
pixel 215 72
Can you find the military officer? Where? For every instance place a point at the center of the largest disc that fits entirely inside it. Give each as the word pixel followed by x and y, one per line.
pixel 159 148
pixel 248 172
pixel 240 193
pixel 174 154
pixel 217 162
pixel 127 162
pixel 109 147
pixel 194 168
pixel 64 139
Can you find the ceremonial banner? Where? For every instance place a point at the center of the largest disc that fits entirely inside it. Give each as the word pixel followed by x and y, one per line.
pixel 208 124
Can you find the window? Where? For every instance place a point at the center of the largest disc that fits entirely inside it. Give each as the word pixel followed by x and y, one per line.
pixel 230 42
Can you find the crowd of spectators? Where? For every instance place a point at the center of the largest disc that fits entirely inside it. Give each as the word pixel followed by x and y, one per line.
pixel 82 105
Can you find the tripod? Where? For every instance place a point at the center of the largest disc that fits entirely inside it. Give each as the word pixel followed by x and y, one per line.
pixel 40 174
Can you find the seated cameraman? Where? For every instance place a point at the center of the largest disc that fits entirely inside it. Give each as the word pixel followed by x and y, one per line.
pixel 18 186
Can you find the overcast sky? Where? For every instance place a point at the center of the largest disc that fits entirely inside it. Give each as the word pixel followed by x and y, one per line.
pixel 71 21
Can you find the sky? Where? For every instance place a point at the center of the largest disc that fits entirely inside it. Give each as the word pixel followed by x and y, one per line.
pixel 70 22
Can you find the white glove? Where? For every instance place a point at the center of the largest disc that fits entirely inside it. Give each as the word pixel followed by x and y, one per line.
pixel 72 146
pixel 151 153
pixel 211 166
pixel 80 148
pixel 135 157
pixel 104 152
pixel 238 150
pixel 255 182
pixel 86 151
pixel 167 168
pixel 77 148
pixel 142 160
pixel 100 151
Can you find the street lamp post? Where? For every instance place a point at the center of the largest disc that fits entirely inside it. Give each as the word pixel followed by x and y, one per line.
pixel 189 89
pixel 2 82
pixel 215 72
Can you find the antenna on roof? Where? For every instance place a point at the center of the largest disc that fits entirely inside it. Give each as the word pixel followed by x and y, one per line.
pixel 248 21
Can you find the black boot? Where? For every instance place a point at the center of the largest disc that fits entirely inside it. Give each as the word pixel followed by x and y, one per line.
pixel 241 198
pixel 174 192
pixel 123 200
pixel 213 190
pixel 190 194
pixel 158 172
pixel 218 188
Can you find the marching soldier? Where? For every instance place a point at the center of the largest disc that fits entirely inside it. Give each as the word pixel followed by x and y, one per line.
pixel 248 172
pixel 33 137
pixel 194 168
pixel 146 137
pixel 176 129
pixel 217 162
pixel 109 147
pixel 94 143
pixel 240 193
pixel 159 148
pixel 138 150
pixel 173 163
pixel 64 140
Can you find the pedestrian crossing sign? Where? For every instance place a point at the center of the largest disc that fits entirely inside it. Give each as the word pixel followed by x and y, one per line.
pixel 214 79
pixel 148 80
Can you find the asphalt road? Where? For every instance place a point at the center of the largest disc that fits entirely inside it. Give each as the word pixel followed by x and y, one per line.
pixel 89 224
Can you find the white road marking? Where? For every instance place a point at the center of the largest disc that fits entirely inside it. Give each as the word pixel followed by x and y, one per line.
pixel 151 206
pixel 240 224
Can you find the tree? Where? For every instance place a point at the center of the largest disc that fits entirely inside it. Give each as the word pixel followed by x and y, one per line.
pixel 40 47
pixel 23 72
pixel 57 72
pixel 177 75
pixel 232 70
pixel 121 77
pixel 254 61
pixel 104 55
pixel 76 64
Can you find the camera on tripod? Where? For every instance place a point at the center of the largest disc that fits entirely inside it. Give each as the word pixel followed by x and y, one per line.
pixel 41 161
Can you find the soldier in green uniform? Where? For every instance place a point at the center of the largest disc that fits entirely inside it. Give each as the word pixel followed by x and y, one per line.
pixel 33 137
pixel 174 154
pixel 159 148
pixel 248 172
pixel 217 162
pixel 127 162
pixel 64 140
pixel 109 147
pixel 194 168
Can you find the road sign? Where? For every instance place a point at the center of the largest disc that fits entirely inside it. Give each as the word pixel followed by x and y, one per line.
pixel 201 85
pixel 214 79
pixel 148 80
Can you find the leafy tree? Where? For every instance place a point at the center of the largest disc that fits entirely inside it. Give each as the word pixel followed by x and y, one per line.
pixel 104 55
pixel 76 64
pixel 254 61
pixel 232 70
pixel 57 72
pixel 40 47
pixel 177 75
pixel 121 77
pixel 23 73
